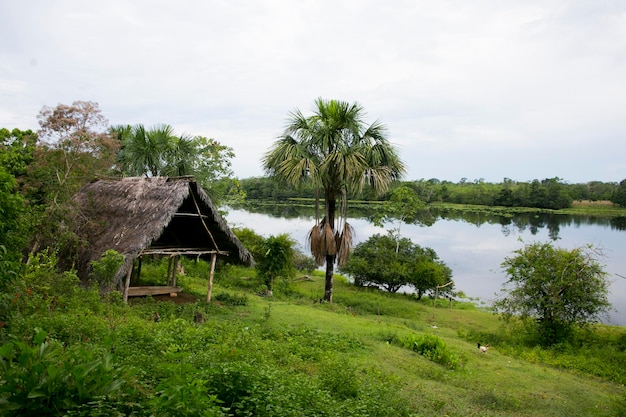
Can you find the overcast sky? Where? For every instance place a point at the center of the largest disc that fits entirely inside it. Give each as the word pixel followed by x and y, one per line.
pixel 467 89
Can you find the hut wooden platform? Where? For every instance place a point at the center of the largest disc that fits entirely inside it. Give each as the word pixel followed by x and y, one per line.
pixel 152 290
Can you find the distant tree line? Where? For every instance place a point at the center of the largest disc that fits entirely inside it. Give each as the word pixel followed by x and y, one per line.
pixel 549 193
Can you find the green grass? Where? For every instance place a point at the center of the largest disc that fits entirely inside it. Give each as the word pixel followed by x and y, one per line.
pixel 367 353
pixel 514 380
pixel 597 210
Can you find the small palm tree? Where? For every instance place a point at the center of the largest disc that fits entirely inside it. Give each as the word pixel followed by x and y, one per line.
pixel 144 151
pixel 339 154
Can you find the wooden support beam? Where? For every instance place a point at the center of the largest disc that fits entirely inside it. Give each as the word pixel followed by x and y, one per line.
pixel 169 270
pixel 127 283
pixel 175 270
pixel 210 289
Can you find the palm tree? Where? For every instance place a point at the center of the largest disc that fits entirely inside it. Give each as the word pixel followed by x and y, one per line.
pixel 338 154
pixel 144 152
pixel 182 156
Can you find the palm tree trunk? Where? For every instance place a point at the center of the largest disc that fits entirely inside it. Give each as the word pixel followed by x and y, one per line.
pixel 328 287
pixel 331 204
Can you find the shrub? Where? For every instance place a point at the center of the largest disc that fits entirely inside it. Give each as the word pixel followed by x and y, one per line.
pixel 557 288
pixel 41 289
pixel 432 348
pixel 106 267
pixel 179 396
pixel 276 259
pixel 232 299
pixel 42 378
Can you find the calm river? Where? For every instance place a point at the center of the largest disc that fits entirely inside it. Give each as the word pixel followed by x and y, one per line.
pixel 475 247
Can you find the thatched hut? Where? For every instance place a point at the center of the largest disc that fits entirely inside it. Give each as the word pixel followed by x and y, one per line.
pixel 141 216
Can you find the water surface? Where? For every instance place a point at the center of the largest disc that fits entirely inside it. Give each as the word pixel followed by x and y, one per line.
pixel 474 250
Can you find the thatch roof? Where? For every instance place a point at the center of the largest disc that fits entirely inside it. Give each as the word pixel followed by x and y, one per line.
pixel 138 215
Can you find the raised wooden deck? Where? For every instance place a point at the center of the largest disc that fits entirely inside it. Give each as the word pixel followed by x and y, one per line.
pixel 152 290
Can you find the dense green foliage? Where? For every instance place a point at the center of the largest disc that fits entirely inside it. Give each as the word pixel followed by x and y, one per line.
pixel 619 197
pixel 12 207
pixel 276 259
pixel 558 288
pixel 42 378
pixel 391 262
pixel 105 268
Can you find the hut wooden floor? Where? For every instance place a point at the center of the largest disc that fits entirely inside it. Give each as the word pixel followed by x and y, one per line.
pixel 152 290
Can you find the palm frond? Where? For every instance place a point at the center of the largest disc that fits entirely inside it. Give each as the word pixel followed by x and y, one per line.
pixel 344 246
pixel 327 240
pixel 314 241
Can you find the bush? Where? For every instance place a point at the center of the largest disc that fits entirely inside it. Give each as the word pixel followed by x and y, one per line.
pixel 42 378
pixel 106 267
pixel 180 396
pixel 42 289
pixel 276 259
pixel 433 348
pixel 232 299
pixel 556 288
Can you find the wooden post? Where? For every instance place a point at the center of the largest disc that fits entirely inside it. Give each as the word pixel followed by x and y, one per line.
pixel 175 270
pixel 210 290
pixel 127 283
pixel 169 271
pixel 138 275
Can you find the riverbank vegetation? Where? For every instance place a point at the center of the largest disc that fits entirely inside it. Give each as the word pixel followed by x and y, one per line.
pixel 548 194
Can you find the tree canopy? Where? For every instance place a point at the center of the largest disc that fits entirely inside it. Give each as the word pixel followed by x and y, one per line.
pixel 391 262
pixel 73 148
pixel 559 288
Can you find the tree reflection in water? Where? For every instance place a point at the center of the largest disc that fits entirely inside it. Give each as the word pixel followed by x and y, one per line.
pixel 472 243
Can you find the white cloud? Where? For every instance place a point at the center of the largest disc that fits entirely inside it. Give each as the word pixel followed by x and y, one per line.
pixel 476 89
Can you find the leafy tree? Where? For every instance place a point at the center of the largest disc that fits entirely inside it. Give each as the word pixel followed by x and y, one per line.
pixel 619 197
pixel 277 259
pixel 251 240
pixel 391 262
pixel 16 153
pixel 403 204
pixel 17 149
pixel 73 149
pixel 337 153
pixel 12 208
pixel 429 273
pixel 559 288
pixel 13 227
pixel 376 262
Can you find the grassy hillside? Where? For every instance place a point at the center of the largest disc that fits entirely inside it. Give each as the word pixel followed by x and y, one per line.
pixel 498 383
pixel 367 354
